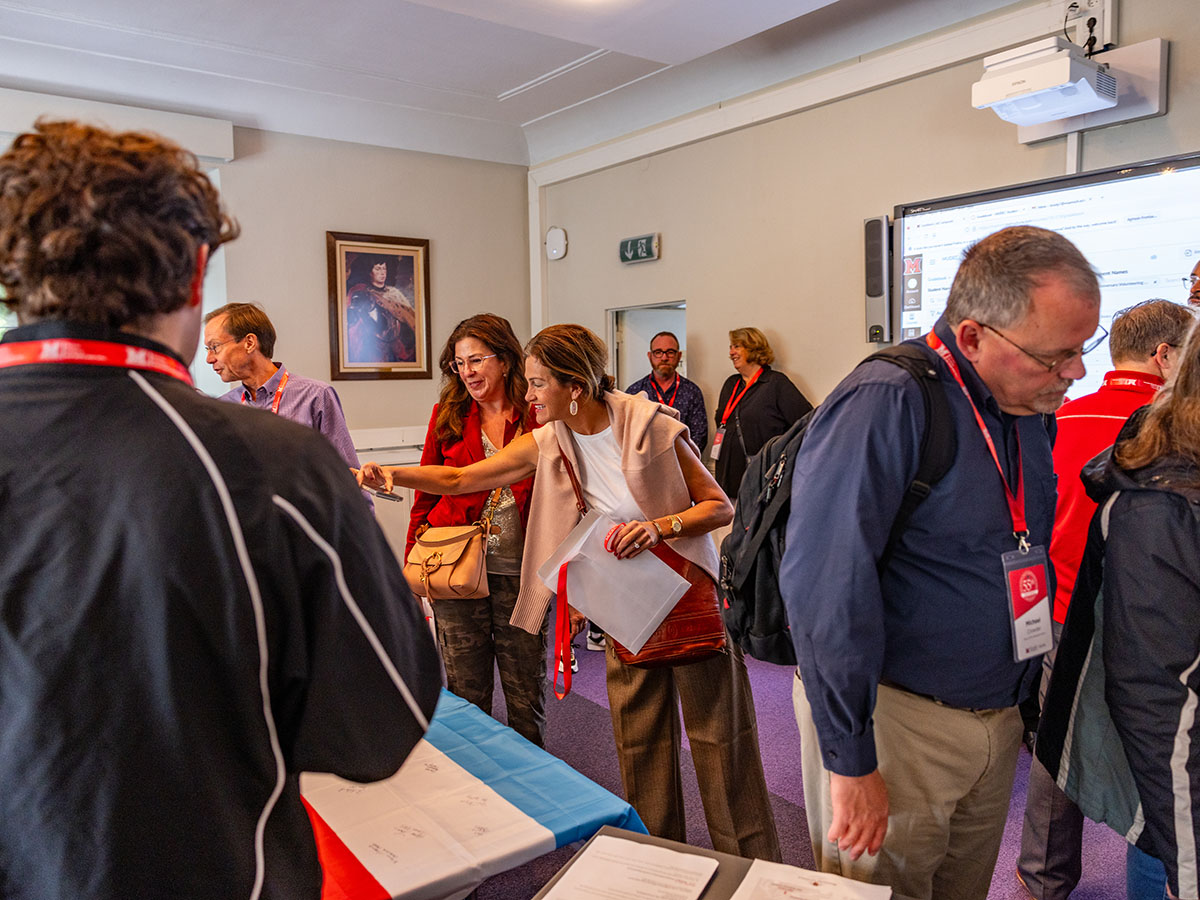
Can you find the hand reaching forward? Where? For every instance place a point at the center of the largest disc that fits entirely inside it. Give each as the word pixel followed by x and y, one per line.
pixel 860 813
pixel 375 476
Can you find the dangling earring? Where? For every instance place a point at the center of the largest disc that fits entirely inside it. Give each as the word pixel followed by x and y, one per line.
pixel 573 408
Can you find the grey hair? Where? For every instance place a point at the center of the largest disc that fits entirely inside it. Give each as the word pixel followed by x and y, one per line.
pixel 999 273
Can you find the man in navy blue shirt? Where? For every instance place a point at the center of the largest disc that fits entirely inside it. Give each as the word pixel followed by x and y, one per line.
pixel 670 388
pixel 909 677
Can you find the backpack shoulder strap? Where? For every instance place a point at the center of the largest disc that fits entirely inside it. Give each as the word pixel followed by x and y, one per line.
pixel 938 444
pixel 774 495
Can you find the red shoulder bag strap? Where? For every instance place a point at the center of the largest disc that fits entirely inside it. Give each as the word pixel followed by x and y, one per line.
pixel 562 623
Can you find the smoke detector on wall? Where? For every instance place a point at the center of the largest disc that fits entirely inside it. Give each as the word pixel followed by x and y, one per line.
pixel 556 243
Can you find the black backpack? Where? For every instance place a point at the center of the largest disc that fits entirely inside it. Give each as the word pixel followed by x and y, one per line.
pixel 753 551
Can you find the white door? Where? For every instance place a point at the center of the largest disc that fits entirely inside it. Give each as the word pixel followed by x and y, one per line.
pixel 631 330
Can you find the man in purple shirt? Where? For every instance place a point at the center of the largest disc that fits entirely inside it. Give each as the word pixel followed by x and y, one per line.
pixel 239 340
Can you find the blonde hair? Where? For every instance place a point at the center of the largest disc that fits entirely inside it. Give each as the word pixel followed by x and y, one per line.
pixel 574 355
pixel 754 342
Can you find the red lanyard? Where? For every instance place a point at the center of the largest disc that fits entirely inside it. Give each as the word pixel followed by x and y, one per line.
pixel 278 393
pixel 91 353
pixel 1127 379
pixel 735 398
pixel 1016 503
pixel 562 635
pixel 660 395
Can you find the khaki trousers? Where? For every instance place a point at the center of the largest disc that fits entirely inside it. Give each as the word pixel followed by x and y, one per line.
pixel 949 774
pixel 718 712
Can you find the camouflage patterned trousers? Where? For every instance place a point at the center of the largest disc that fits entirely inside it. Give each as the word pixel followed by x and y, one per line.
pixel 475 637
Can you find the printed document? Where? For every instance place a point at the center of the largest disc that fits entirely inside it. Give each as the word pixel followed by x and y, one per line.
pixel 613 868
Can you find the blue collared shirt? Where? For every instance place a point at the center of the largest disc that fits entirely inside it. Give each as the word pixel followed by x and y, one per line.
pixel 937 621
pixel 689 401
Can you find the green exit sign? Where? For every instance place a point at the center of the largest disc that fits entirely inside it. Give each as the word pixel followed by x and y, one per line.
pixel 639 249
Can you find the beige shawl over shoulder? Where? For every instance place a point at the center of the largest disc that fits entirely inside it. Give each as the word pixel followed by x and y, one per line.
pixel 646 433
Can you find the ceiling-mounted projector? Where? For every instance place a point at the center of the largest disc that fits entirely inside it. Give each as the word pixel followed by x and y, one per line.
pixel 1044 81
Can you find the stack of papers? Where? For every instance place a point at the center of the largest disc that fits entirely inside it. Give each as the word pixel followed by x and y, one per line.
pixel 775 881
pixel 614 868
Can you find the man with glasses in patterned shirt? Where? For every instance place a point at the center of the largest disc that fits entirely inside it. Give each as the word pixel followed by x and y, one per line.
pixel 668 387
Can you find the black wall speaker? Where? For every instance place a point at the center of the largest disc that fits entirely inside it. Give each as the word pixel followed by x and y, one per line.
pixel 878 283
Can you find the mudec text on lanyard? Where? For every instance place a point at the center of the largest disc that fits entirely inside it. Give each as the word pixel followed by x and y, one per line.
pixel 1026 569
pixel 660 395
pixel 278 393
pixel 736 397
pixel 1016 502
pixel 72 351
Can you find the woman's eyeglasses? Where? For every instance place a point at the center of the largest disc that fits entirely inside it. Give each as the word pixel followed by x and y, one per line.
pixel 471 362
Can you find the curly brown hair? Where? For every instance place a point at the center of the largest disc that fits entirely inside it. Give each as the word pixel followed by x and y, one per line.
pixel 102 227
pixel 496 333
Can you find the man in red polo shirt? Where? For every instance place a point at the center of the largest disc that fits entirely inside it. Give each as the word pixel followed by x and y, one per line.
pixel 1143 342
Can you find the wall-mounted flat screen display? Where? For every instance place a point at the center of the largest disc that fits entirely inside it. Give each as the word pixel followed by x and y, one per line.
pixel 1138 225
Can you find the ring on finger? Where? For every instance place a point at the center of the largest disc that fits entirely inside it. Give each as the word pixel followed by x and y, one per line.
pixel 637 546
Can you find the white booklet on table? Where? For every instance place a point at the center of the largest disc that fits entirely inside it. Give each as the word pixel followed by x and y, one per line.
pixel 613 868
pixel 775 881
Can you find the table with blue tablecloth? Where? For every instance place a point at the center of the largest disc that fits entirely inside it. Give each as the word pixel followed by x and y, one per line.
pixel 472 800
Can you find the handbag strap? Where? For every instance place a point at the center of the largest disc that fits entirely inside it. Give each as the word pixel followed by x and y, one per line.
pixel 562 626
pixel 580 503
pixel 489 510
pixel 493 500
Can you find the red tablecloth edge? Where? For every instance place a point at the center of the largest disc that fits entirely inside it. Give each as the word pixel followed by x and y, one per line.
pixel 345 877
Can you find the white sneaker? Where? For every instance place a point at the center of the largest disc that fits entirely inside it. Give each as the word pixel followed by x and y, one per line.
pixel 574 662
pixel 595 643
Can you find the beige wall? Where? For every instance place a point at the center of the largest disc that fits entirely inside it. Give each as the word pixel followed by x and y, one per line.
pixel 764 226
pixel 287 191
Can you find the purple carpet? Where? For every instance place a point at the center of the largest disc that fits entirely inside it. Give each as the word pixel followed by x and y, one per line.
pixel 580 732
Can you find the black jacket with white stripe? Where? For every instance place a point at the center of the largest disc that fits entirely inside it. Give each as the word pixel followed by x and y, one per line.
pixel 1119 729
pixel 195 607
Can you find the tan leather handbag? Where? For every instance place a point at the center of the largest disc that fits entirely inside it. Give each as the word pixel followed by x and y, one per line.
pixel 450 562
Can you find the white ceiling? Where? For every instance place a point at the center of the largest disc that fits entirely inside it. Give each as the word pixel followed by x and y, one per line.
pixel 472 78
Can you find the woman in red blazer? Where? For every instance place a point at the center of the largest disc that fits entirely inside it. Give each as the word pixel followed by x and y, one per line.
pixel 482 408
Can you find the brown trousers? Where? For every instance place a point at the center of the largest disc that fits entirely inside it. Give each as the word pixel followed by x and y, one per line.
pixel 718 712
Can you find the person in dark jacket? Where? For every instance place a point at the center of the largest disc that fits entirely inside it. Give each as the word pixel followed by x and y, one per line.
pixel 482 408
pixel 1119 731
pixel 756 404
pixel 195 604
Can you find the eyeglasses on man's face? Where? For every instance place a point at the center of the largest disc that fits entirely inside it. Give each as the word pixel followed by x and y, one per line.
pixel 1057 365
pixel 217 345
pixel 664 354
pixel 471 362
pixel 1190 280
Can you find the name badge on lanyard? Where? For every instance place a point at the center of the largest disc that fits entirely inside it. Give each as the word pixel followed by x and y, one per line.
pixel 1028 601
pixel 730 405
pixel 715 452
pixel 1025 581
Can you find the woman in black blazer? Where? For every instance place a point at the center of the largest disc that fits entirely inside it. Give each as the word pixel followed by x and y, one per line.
pixel 756 404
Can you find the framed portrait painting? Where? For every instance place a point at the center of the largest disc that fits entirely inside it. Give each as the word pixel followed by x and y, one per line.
pixel 378 306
